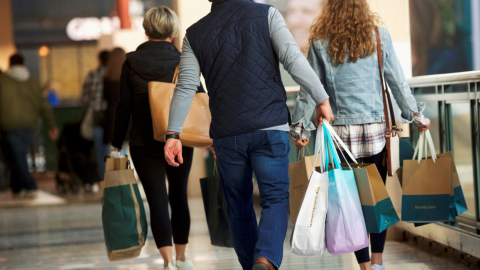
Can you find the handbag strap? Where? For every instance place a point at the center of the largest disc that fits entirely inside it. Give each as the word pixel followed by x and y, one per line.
pixel 385 93
pixel 175 76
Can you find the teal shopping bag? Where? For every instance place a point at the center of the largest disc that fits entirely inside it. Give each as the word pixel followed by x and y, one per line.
pixel 345 229
pixel 123 214
pixel 426 185
pixel 377 206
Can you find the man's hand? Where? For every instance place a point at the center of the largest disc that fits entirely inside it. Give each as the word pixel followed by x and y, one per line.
pixel 300 143
pixel 173 148
pixel 53 133
pixel 212 149
pixel 324 111
pixel 426 127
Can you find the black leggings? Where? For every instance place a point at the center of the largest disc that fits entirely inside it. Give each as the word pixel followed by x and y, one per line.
pixel 151 167
pixel 377 240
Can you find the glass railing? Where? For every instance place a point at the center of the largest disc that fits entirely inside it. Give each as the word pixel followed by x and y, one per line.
pixel 453 102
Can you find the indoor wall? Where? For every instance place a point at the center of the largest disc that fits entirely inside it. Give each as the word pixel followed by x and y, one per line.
pixel 7 45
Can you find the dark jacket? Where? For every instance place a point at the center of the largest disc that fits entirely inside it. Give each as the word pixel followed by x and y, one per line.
pixel 152 61
pixel 111 95
pixel 240 66
pixel 21 101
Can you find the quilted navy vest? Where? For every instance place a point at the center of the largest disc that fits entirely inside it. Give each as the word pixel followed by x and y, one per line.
pixel 241 69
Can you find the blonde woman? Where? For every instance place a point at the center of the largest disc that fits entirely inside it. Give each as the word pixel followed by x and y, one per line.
pixel 343 53
pixel 155 60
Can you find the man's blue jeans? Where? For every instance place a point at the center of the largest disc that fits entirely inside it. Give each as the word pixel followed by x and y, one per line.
pixel 264 153
pixel 15 146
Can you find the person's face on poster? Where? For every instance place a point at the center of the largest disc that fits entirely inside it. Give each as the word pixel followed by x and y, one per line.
pixel 300 17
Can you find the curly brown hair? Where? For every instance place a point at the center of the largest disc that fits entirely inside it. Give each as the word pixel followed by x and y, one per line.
pixel 348 25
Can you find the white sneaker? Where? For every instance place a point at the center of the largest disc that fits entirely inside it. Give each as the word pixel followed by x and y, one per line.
pixel 378 267
pixel 185 265
pixel 170 267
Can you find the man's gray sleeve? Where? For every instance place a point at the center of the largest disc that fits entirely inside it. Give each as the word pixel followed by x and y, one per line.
pixel 187 86
pixel 292 58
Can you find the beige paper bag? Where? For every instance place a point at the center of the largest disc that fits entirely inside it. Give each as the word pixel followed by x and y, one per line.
pixel 300 173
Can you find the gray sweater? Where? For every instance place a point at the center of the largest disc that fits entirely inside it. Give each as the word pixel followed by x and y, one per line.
pixel 288 53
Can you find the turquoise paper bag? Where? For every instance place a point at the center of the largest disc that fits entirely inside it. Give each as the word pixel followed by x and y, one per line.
pixel 345 226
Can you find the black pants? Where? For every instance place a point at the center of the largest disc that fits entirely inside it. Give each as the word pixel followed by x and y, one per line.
pixel 151 168
pixel 377 240
pixel 15 145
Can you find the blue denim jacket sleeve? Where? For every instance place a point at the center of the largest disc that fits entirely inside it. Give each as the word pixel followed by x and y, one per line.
pixel 396 80
pixel 305 104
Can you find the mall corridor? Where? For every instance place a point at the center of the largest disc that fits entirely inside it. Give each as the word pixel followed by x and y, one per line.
pixel 71 237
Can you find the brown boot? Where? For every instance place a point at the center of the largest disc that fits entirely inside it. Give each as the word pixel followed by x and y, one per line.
pixel 263 264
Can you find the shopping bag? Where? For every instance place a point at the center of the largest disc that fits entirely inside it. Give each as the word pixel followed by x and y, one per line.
pixel 458 205
pixel 308 236
pixel 299 173
pixel 406 150
pixel 123 213
pixel 216 210
pixel 345 226
pixel 394 189
pixel 377 206
pixel 426 185
pixel 196 128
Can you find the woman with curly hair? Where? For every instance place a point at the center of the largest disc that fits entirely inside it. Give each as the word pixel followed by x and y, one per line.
pixel 343 53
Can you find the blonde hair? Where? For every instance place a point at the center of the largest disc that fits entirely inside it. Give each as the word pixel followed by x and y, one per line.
pixel 161 23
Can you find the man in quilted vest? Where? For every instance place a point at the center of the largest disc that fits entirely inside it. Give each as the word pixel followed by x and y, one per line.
pixel 237 47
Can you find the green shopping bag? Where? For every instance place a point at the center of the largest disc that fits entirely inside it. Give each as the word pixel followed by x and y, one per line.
pixel 123 213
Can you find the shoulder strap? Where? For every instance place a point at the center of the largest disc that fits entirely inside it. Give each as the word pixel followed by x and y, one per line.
pixel 385 93
pixel 175 76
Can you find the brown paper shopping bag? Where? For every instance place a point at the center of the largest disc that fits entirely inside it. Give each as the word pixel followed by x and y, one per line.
pixel 458 205
pixel 300 173
pixel 394 189
pixel 377 206
pixel 426 185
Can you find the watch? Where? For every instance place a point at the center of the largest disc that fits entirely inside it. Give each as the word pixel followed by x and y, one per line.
pixel 171 136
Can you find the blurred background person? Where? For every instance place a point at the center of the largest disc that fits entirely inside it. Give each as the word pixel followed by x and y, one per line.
pixel 111 85
pixel 155 60
pixel 300 17
pixel 21 105
pixel 92 99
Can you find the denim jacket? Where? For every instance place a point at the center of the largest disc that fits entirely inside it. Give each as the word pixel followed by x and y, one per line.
pixel 355 89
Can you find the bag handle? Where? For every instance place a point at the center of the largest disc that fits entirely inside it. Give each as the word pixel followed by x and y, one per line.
pixel 425 141
pixel 331 149
pixel 339 141
pixel 301 152
pixel 385 93
pixel 320 150
pixel 175 76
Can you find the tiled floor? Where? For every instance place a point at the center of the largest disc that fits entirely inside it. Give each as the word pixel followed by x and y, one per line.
pixel 71 237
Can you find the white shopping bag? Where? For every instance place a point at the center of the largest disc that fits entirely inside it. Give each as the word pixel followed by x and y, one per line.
pixel 308 237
